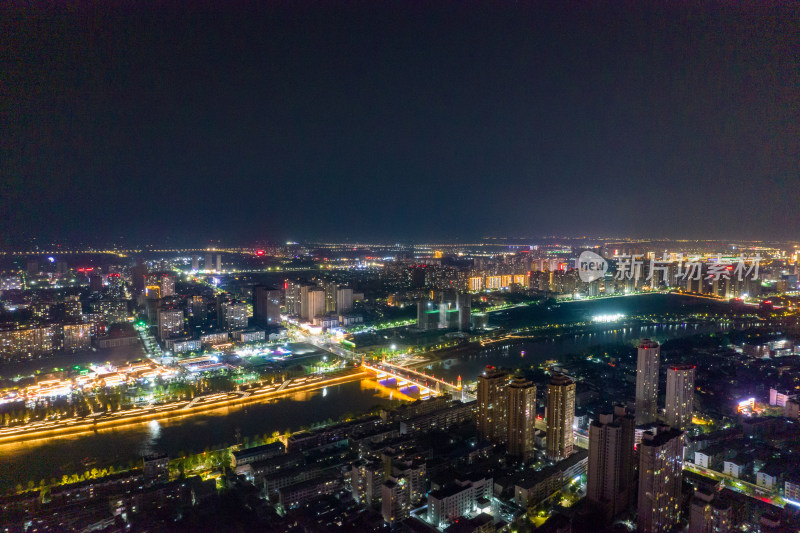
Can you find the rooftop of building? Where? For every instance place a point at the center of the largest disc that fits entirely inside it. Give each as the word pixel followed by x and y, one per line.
pixel 468 525
pixel 661 437
pixel 273 447
pixel 451 489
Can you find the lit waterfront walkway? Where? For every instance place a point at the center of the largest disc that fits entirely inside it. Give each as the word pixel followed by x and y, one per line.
pixel 73 426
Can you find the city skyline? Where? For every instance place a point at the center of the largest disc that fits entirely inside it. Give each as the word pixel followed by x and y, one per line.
pixel 452 267
pixel 508 366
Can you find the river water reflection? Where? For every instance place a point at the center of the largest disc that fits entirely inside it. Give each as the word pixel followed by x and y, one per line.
pixel 45 459
pixel 36 460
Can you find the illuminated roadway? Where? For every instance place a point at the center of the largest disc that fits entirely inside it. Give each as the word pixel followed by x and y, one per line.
pixel 736 484
pixel 179 409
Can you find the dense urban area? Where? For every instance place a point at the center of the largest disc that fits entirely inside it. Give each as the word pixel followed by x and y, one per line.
pixel 567 385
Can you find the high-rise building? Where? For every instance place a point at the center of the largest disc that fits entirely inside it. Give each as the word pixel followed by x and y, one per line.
pixel 234 315
pixel 112 311
pixel 167 284
pixel 680 396
pixel 41 312
pixel 427 316
pixel 475 283
pixel 330 289
pixel 208 262
pixel 160 284
pixel 153 292
pixel 292 297
pixel 560 417
pixel 660 475
pixel 267 305
pixel 73 310
pixel 414 472
pixel 366 480
pixel 96 283
pixel 155 468
pixel 464 305
pixel 29 341
pixel 394 501
pixel 303 301
pixel 647 362
pixel 195 263
pixel 170 323
pixel 312 303
pixel 448 315
pixel 219 263
pixel 610 469
pixel 76 337
pixel 492 406
pixel 344 300
pixel 199 310
pixel 138 273
pixel 709 514
pixel 521 418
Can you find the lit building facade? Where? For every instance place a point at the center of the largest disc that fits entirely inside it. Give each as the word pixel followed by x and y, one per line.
pixel 560 416
pixel 170 323
pixel 456 500
pixel 611 460
pixel 492 405
pixel 709 514
pixel 647 363
pixel 475 283
pixel 344 300
pixel 267 305
pixel 234 315
pixel 394 501
pixel 29 341
pixel 660 475
pixel 312 303
pixel 521 403
pixel 680 396
pixel 77 337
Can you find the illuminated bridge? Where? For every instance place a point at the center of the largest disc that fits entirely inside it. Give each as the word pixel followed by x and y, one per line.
pixel 408 377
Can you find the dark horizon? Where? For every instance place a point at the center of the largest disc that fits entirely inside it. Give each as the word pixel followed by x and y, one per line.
pixel 399 122
pixel 41 246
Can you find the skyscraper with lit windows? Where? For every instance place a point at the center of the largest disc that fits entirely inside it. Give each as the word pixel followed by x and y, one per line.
pixel 492 405
pixel 647 362
pixel 680 396
pixel 660 474
pixel 610 468
pixel 521 404
pixel 560 417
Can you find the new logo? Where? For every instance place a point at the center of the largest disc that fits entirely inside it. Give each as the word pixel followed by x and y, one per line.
pixel 591 266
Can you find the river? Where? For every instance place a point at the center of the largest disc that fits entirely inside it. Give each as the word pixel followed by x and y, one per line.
pixel 45 459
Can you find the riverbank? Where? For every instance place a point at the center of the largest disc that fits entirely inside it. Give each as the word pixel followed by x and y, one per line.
pixel 173 411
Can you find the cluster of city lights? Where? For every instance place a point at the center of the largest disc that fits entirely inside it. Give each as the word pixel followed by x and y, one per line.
pixel 608 318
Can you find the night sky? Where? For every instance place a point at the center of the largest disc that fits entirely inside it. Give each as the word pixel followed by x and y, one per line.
pixel 399 121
